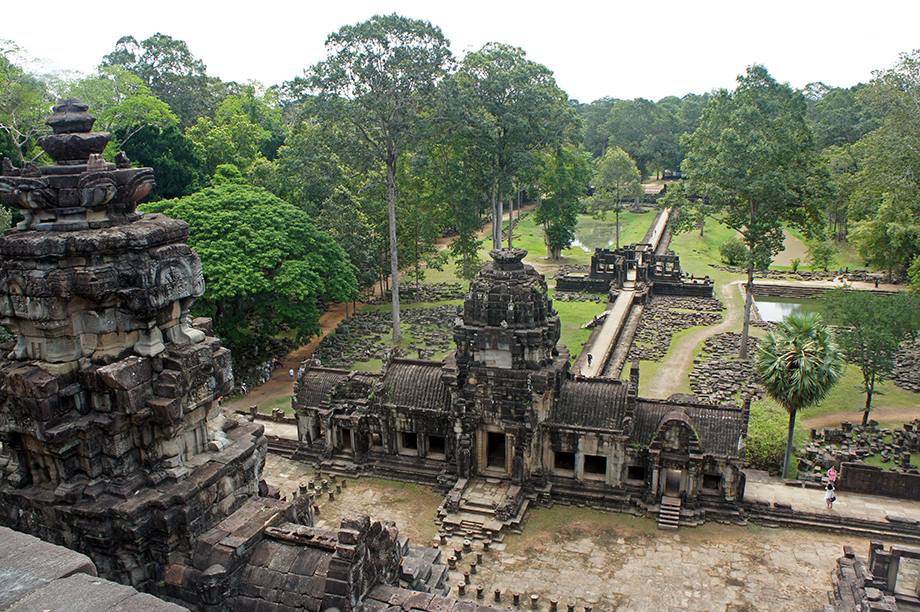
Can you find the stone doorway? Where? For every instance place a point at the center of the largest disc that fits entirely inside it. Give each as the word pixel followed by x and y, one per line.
pixel 673 478
pixel 496 451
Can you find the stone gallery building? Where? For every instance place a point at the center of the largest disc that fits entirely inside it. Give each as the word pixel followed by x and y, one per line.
pixel 503 423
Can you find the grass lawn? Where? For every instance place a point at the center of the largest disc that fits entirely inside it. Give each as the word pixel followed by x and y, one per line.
pixel 848 396
pixel 284 403
pixel 876 460
pixel 573 315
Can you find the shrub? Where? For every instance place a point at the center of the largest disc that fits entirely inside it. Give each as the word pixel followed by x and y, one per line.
pixel 766 441
pixel 795 264
pixel 733 252
pixel 822 254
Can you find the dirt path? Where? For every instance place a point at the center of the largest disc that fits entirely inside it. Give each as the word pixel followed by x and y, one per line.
pixel 793 248
pixel 676 366
pixel 281 384
pixel 882 415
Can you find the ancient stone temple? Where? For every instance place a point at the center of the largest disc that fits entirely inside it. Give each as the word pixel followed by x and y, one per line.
pixel 112 439
pixel 503 423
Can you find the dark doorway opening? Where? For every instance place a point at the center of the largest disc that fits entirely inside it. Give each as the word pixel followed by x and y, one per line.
pixel 346 438
pixel 495 447
pixel 436 445
pixel 672 481
pixel 635 472
pixel 595 465
pixel 564 461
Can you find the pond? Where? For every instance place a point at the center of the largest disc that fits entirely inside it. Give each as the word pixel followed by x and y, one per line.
pixel 775 309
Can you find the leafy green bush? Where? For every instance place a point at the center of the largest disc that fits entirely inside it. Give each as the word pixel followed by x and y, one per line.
pixel 766 441
pixel 733 252
pixel 822 254
pixel 795 263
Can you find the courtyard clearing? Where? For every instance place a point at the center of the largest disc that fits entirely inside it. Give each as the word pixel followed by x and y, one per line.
pixel 607 560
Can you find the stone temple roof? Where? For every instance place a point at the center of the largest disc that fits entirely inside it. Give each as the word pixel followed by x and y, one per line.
pixel 285 576
pixel 316 385
pixel 720 427
pixel 594 403
pixel 415 384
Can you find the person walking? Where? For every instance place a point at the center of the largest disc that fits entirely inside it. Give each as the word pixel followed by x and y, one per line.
pixel 590 359
pixel 832 476
pixel 830 496
pixel 291 373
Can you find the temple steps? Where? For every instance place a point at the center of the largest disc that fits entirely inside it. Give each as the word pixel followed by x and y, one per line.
pixel 871 530
pixel 669 513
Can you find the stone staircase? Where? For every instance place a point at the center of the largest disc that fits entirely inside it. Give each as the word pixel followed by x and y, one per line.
pixel 482 509
pixel 421 569
pixel 669 513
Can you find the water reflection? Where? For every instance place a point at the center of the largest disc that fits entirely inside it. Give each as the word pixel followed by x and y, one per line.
pixel 775 309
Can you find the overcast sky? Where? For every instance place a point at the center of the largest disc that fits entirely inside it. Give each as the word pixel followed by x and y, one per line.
pixel 613 48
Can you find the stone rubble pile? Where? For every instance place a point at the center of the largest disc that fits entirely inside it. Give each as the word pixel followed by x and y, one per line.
pixel 835 445
pixel 907 366
pixel 365 336
pixel 719 376
pixel 578 296
pixel 428 292
pixel 666 315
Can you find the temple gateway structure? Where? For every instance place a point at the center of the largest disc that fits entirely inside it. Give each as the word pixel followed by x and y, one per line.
pixel 503 423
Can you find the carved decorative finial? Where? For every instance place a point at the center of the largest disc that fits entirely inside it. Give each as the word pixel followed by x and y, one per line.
pixel 508 259
pixel 73 141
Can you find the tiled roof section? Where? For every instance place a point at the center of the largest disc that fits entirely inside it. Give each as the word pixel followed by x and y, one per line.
pixel 719 427
pixel 283 576
pixel 594 403
pixel 316 385
pixel 415 384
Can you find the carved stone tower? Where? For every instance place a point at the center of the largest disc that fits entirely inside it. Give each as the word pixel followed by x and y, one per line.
pixel 111 438
pixel 506 370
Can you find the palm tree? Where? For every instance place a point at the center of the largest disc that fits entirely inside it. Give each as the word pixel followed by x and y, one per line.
pixel 798 363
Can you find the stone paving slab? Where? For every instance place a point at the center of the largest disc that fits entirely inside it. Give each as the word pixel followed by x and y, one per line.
pixel 856 505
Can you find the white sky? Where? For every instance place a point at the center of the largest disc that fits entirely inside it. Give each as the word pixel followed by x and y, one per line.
pixel 613 48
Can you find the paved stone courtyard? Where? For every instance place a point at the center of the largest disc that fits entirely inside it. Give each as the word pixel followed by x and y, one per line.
pixel 608 560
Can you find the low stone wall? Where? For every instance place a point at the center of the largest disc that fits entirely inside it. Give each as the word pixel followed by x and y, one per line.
pixel 861 478
pixel 907 369
pixel 582 284
pixel 666 315
pixel 799 291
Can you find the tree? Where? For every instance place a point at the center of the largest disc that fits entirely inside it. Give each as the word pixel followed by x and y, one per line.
pixel 885 199
pixel 379 76
pixel 617 177
pixel 24 105
pixel 172 72
pixel 174 159
pixel 564 181
pixel 122 103
pixel 914 275
pixel 798 363
pixel 753 162
pixel 514 109
pixel 267 267
pixel 870 328
pixel 231 137
pixel 307 168
pixel 822 254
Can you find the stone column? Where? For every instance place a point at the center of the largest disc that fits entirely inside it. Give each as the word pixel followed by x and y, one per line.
pixel 579 461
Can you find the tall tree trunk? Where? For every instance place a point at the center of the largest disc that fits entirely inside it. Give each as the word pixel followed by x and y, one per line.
pixel 496 219
pixel 870 389
pixel 391 214
pixel 501 219
pixel 617 210
pixel 788 456
pixel 510 221
pixel 748 302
